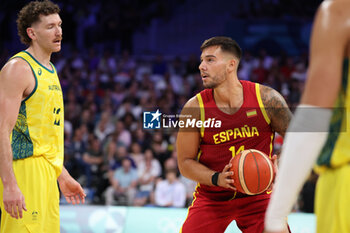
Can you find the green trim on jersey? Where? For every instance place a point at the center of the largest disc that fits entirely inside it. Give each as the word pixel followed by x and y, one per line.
pixel 339 112
pixel 51 71
pixel 36 79
pixel 22 145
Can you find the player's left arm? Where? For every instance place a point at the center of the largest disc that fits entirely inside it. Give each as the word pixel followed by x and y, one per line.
pixel 276 109
pixel 70 188
pixel 279 114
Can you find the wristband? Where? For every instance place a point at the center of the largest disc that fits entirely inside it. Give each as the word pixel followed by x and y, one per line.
pixel 214 178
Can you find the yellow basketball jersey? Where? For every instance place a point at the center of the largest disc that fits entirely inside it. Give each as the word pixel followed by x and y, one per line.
pixel 336 151
pixel 39 127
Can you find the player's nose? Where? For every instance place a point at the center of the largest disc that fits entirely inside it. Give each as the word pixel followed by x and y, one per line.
pixel 201 66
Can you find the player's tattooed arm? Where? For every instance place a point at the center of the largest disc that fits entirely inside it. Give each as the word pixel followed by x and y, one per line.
pixel 276 109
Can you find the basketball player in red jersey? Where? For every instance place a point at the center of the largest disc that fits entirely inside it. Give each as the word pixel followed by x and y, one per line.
pixel 246 116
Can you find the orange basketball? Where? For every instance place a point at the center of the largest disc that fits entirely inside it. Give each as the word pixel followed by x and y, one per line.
pixel 253 172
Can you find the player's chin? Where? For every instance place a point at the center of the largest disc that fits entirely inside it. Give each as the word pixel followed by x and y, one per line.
pixel 208 85
pixel 56 49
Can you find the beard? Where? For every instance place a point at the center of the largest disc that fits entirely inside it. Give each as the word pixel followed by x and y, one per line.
pixel 209 85
pixel 213 82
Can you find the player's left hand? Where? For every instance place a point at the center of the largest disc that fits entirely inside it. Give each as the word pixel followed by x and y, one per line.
pixel 275 165
pixel 72 191
pixel 225 179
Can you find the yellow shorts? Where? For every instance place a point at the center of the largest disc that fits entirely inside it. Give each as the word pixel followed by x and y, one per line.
pixel 332 201
pixel 38 182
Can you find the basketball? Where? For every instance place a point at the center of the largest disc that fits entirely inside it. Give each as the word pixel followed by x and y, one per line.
pixel 253 172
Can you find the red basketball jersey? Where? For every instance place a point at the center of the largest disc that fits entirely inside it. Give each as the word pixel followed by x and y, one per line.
pixel 248 128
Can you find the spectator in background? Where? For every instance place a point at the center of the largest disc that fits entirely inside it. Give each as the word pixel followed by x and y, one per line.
pixel 294 92
pixel 104 127
pixel 121 136
pixel 170 192
pixel 136 154
pixel 170 164
pixel 110 155
pixel 120 155
pixel 142 138
pixel 287 68
pixel 259 74
pixel 246 66
pixel 76 149
pixel 159 147
pixel 299 73
pixel 148 170
pixel 91 161
pixel 123 183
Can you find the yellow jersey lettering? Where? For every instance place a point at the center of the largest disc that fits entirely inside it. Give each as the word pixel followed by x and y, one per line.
pixel 228 134
pixel 223 136
pixel 237 133
pixel 233 150
pixel 216 140
pixel 255 131
pixel 232 134
pixel 246 131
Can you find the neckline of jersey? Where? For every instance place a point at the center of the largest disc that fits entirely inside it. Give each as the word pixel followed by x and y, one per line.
pixel 51 71
pixel 240 108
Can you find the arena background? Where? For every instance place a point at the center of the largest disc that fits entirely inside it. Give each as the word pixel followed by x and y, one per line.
pixel 121 58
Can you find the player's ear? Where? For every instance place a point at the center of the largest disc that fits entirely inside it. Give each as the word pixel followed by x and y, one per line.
pixel 232 65
pixel 31 33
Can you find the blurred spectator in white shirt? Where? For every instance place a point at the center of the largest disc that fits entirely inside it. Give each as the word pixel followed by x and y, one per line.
pixel 148 170
pixel 170 192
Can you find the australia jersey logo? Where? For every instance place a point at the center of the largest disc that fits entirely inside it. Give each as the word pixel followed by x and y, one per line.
pixel 39 71
pixel 151 120
pixel 35 215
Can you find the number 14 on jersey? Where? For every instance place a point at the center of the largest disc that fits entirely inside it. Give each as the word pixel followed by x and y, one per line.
pixel 234 152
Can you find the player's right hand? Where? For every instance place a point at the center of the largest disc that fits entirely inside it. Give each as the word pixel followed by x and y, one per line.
pixel 14 203
pixel 225 178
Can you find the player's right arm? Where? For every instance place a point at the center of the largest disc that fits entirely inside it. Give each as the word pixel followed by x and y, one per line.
pixel 187 144
pixel 308 130
pixel 14 84
pixel 329 45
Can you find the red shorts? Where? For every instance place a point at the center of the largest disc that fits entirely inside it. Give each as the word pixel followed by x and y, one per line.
pixel 209 216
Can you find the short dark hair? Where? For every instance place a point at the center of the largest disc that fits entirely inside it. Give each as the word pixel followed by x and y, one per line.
pixel 226 44
pixel 30 14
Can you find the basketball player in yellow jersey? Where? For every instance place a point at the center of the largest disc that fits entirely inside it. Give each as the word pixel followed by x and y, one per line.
pixel 31 128
pixel 320 130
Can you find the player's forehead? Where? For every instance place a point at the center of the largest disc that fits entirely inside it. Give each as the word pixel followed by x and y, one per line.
pixel 211 51
pixel 48 19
